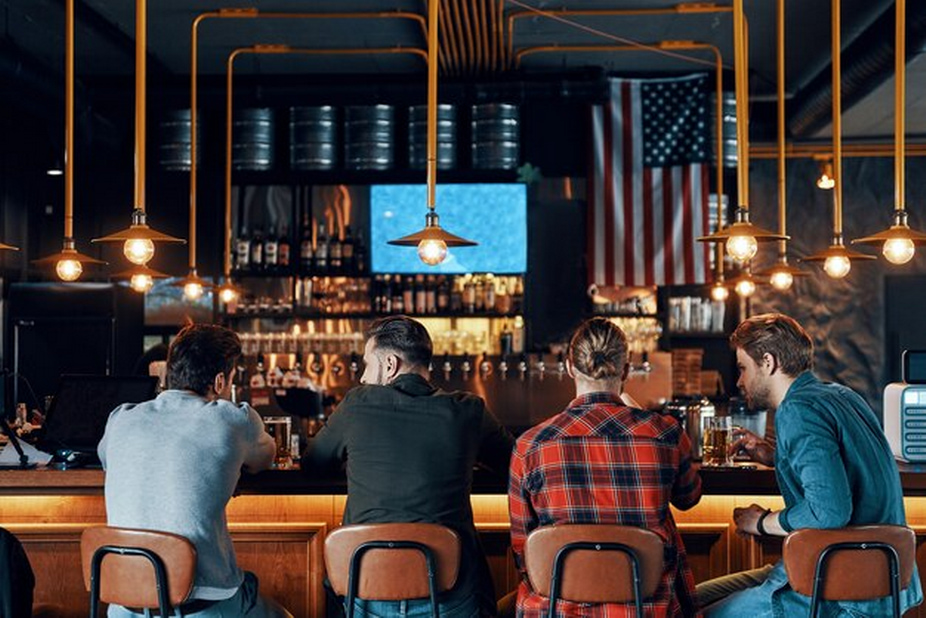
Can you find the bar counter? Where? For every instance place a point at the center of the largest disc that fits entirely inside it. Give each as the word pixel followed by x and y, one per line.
pixel 279 520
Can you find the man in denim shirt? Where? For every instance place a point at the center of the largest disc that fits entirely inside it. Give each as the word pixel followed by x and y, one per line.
pixel 833 464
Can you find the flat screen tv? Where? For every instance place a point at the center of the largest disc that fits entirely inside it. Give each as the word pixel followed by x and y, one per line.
pixel 493 215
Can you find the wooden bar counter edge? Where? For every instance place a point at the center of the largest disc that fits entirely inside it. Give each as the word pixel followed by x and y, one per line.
pixel 280 518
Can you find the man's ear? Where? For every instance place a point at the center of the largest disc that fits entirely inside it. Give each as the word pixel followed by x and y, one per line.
pixel 626 373
pixel 570 370
pixel 770 362
pixel 392 363
pixel 219 383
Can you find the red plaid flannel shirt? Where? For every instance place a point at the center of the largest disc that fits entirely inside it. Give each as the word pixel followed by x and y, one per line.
pixel 600 462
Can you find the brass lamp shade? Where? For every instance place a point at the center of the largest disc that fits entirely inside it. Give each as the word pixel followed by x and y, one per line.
pixel 432 231
pixel 230 286
pixel 782 266
pixel 68 252
pixel 192 277
pixel 837 249
pixel 140 270
pixel 5 247
pixel 900 229
pixel 139 230
pixel 742 227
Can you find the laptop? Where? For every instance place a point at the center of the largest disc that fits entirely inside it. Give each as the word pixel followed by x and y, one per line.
pixel 76 419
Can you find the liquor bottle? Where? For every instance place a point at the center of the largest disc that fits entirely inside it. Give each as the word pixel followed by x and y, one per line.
pixel 271 247
pixel 421 296
pixel 360 255
pixel 480 295
pixel 284 249
pixel 243 251
pixel 257 250
pixel 386 302
pixel 517 295
pixel 398 299
pixel 506 340
pixel 443 295
pixel 306 251
pixel 490 294
pixel 469 296
pixel 408 295
pixel 321 249
pixel 456 296
pixel 430 293
pixel 335 253
pixel 347 251
pixel 502 298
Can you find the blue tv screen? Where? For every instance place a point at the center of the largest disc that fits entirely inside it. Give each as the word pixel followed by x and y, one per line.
pixel 493 215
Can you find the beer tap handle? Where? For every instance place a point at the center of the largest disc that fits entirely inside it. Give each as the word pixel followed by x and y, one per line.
pixel 522 366
pixel 466 366
pixel 354 366
pixel 447 366
pixel 560 365
pixel 503 367
pixel 485 367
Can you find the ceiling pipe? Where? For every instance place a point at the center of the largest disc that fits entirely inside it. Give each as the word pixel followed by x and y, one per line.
pixel 867 63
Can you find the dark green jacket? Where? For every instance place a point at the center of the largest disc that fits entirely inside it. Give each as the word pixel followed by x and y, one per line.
pixel 410 449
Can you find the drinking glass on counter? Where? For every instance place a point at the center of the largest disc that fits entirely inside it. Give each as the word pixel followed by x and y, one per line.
pixel 718 436
pixel 281 428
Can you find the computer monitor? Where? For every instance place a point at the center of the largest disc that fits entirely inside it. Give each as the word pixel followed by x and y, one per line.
pixel 77 416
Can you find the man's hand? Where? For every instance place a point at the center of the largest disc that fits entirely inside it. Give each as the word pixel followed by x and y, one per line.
pixel 758 449
pixel 747 519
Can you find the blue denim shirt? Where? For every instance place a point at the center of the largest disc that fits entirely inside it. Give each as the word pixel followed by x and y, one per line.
pixel 835 469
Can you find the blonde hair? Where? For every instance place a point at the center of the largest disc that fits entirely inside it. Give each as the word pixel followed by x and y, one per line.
pixel 598 349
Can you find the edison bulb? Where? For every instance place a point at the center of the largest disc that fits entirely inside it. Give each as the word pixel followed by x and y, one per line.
pixel 432 251
pixel 69 270
pixel 781 280
pixel 826 182
pixel 141 283
pixel 745 287
pixel 228 295
pixel 837 266
pixel 192 290
pixel 898 250
pixel 138 250
pixel 720 292
pixel 742 248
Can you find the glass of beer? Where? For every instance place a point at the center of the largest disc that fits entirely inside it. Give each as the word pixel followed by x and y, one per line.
pixel 718 436
pixel 281 428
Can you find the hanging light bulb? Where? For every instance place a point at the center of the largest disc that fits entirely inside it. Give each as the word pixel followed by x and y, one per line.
pixel 826 181
pixel 138 250
pixel 781 280
pixel 228 295
pixel 193 290
pixel 719 292
pixel 141 282
pixel 745 287
pixel 837 266
pixel 742 248
pixel 898 250
pixel 69 270
pixel 432 251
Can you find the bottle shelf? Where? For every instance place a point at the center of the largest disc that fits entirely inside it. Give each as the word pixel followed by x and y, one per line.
pixel 300 272
pixel 304 314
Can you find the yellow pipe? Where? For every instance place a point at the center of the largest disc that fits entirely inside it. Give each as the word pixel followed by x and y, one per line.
pixel 69 122
pixel 900 93
pixel 809 151
pixel 229 84
pixel 500 35
pixel 782 173
pixel 467 26
pixel 742 94
pixel 453 64
pixel 837 117
pixel 433 13
pixel 458 26
pixel 680 9
pixel 141 48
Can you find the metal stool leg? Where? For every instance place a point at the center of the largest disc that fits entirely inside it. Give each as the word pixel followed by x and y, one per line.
pixel 820 571
pixel 354 572
pixel 565 550
pixel 160 575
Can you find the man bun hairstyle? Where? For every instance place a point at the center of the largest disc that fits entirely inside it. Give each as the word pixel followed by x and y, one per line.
pixel 403 336
pixel 598 349
pixel 778 335
pixel 198 354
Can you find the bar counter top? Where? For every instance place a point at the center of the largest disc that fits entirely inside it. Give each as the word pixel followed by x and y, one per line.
pixel 716 481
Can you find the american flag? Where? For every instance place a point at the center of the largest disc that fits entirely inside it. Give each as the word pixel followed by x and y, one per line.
pixel 649 183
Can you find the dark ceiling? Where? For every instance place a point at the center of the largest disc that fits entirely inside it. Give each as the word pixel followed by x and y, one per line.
pixel 475 45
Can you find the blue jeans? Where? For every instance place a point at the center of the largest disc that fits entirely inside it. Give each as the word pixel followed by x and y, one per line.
pixel 245 602
pixel 466 606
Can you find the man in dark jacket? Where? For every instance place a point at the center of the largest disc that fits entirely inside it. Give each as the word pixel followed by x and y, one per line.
pixel 16 579
pixel 410 450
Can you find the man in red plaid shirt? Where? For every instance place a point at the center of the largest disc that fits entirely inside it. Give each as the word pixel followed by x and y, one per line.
pixel 602 462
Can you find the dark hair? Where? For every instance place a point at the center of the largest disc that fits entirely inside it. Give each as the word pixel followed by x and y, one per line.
pixel 778 335
pixel 198 354
pixel 407 338
pixel 599 349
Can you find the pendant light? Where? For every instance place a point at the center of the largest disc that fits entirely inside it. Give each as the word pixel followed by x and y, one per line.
pixel 741 237
pixel 837 259
pixel 69 264
pixel 781 275
pixel 139 239
pixel 140 277
pixel 433 240
pixel 898 241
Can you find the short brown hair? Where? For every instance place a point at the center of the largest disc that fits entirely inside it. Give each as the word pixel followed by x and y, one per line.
pixel 198 354
pixel 598 349
pixel 408 338
pixel 778 335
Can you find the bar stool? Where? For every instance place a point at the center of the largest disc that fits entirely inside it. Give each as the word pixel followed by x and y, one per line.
pixel 118 564
pixel 392 562
pixel 625 561
pixel 824 564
